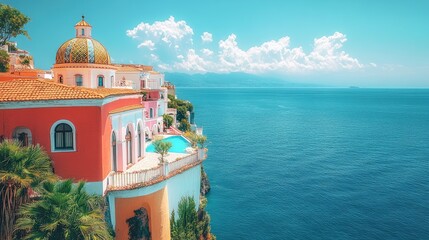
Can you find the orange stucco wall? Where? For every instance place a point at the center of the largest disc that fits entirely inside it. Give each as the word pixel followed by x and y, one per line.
pixel 157 206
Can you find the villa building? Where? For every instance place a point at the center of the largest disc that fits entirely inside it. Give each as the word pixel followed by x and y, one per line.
pixel 94 119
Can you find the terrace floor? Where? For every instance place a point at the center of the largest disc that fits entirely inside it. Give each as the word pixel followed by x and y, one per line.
pixel 150 159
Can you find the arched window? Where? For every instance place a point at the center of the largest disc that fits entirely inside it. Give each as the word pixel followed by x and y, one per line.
pixel 83 32
pixel 151 113
pixel 63 137
pixel 129 142
pixel 139 138
pixel 114 167
pixel 101 81
pixel 79 80
pixel 60 79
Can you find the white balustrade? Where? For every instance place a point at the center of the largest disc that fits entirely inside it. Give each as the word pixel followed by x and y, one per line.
pixel 124 180
pixel 182 162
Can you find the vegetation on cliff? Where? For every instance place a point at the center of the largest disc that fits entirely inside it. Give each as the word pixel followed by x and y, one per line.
pixel 21 169
pixel 191 223
pixel 65 211
pixel 58 210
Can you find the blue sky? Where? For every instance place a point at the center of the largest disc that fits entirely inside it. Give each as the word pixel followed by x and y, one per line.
pixel 365 43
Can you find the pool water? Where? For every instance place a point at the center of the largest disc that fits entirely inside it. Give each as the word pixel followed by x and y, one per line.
pixel 179 144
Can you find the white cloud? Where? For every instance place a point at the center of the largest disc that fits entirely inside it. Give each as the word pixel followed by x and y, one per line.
pixel 154 57
pixel 207 37
pixel 373 64
pixel 192 63
pixel 272 56
pixel 148 43
pixel 168 31
pixel 207 52
pixel 176 51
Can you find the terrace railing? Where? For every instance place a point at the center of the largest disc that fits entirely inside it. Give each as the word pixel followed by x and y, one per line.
pixel 130 180
pixel 126 179
pixel 182 162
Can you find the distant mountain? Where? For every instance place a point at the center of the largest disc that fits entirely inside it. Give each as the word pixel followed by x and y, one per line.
pixel 229 80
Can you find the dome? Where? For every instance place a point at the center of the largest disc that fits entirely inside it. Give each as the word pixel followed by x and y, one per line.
pixel 82 50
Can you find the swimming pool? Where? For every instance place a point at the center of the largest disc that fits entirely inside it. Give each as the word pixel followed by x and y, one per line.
pixel 179 144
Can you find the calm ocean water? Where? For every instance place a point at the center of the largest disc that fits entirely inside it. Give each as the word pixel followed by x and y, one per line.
pixel 316 163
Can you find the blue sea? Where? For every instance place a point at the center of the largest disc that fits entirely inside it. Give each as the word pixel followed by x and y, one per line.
pixel 316 163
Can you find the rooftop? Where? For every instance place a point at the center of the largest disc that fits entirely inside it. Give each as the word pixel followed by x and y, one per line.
pixel 37 90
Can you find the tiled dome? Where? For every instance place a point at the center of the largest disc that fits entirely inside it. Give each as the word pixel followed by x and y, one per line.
pixel 82 50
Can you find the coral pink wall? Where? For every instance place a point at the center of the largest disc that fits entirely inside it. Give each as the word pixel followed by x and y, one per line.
pixel 92 159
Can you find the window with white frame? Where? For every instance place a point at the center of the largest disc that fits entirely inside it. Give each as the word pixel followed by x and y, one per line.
pixel 63 136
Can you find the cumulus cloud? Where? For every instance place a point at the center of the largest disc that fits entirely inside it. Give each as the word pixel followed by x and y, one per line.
pixel 176 51
pixel 272 56
pixel 169 31
pixel 207 52
pixel 207 37
pixel 148 43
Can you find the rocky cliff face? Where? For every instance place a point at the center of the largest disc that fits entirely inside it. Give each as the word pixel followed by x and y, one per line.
pixel 205 184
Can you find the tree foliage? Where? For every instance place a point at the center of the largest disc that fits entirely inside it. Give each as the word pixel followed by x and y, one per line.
pixel 176 103
pixel 12 23
pixel 192 137
pixel 168 120
pixel 185 227
pixel 181 113
pixel 184 125
pixel 4 61
pixel 162 149
pixel 65 211
pixel 139 225
pixel 201 141
pixel 191 224
pixel 21 169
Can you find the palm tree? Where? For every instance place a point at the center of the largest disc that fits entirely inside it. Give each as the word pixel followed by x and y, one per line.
pixel 21 168
pixel 65 211
pixel 162 149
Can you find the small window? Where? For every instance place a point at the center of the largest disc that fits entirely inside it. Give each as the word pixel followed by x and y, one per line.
pixel 60 79
pixel 83 32
pixel 100 81
pixel 151 113
pixel 79 80
pixel 63 137
pixel 23 135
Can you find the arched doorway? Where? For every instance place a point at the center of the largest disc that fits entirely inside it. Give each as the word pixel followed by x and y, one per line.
pixel 139 141
pixel 129 143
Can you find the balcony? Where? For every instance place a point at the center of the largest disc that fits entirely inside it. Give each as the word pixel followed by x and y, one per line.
pixel 148 172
